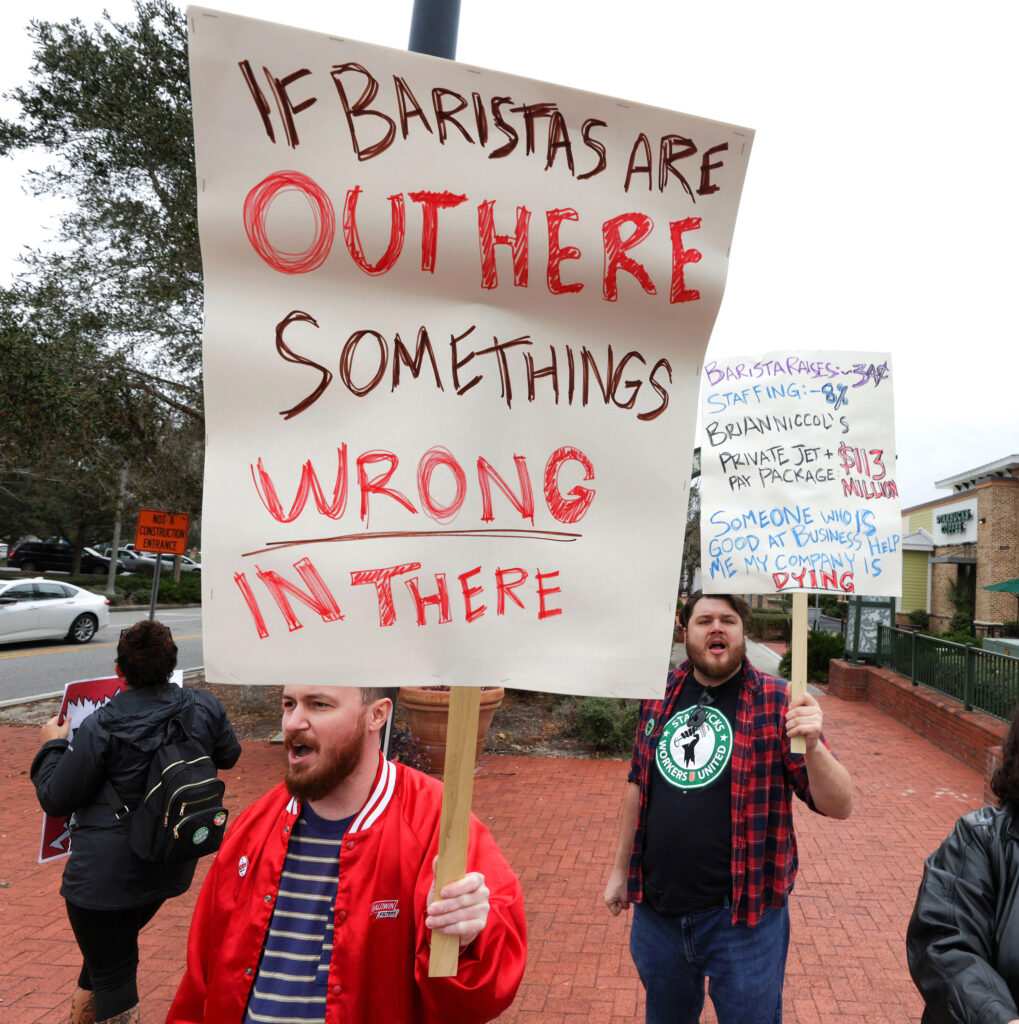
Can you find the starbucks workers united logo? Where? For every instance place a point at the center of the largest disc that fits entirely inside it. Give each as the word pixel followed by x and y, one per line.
pixel 689 758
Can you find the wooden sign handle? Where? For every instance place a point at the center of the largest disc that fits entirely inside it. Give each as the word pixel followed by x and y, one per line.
pixel 799 673
pixel 457 791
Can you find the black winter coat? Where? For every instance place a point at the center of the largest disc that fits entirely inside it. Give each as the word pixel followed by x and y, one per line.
pixel 116 743
pixel 963 938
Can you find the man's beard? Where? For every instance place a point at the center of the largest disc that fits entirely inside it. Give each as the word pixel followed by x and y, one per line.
pixel 335 766
pixel 713 669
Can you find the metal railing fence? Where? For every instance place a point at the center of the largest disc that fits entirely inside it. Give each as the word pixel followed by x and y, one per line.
pixel 983 680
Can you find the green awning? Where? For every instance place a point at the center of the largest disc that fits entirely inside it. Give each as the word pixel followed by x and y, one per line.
pixel 1008 587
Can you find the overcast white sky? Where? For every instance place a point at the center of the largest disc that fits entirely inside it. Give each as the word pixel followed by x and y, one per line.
pixel 880 209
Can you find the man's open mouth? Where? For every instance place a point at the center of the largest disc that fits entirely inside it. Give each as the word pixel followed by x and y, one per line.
pixel 299 751
pixel 717 646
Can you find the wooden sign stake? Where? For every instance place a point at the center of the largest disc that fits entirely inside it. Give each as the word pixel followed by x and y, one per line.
pixel 457 791
pixel 799 673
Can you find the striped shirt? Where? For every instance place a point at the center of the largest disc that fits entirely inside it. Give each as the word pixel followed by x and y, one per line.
pixel 292 977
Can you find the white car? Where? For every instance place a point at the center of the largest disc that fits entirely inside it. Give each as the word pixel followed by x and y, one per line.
pixel 42 609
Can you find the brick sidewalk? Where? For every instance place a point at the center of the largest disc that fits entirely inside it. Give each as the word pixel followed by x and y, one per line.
pixel 556 821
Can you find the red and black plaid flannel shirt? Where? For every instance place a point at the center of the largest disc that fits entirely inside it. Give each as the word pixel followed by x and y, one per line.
pixel 764 776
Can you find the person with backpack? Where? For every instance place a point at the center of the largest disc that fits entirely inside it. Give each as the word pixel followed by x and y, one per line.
pixel 140 780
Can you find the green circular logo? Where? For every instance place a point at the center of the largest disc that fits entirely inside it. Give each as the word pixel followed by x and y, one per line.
pixel 200 835
pixel 691 759
pixel 650 727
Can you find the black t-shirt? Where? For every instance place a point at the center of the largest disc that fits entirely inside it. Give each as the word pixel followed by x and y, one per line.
pixel 688 833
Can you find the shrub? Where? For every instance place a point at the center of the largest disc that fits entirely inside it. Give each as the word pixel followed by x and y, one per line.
pixel 403 747
pixel 605 723
pixel 919 618
pixel 135 589
pixel 962 622
pixel 962 637
pixel 770 624
pixel 833 607
pixel 821 648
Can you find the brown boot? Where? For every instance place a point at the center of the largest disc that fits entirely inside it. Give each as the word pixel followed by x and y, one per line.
pixel 132 1016
pixel 83 1007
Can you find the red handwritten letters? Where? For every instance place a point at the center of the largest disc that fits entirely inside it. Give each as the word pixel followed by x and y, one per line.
pixel 620 236
pixel 567 501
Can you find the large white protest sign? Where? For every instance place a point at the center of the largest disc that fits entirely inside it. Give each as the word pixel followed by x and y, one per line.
pixel 798 475
pixel 453 328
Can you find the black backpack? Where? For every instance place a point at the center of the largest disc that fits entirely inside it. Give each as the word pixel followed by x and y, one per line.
pixel 181 814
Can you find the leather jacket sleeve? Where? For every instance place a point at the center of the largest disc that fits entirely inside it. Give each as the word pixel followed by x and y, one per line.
pixel 950 941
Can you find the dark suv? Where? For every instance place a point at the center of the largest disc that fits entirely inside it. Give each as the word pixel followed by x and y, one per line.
pixel 50 556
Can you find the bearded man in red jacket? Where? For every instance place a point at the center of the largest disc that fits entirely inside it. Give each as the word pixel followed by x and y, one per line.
pixel 320 904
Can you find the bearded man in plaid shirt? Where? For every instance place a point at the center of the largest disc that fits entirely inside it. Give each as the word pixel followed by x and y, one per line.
pixel 706 852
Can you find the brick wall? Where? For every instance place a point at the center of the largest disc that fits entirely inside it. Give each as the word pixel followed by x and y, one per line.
pixel 997 548
pixel 966 735
pixel 993 760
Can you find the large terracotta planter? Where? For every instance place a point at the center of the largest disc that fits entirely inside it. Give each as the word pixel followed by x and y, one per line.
pixel 427 712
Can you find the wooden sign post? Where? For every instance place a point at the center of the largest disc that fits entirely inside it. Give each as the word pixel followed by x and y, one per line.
pixel 799 671
pixel 457 793
pixel 433 31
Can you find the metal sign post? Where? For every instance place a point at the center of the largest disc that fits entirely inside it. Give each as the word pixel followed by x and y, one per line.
pixel 433 27
pixel 155 587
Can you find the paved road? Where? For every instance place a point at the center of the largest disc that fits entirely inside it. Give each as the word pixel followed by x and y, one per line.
pixel 43 666
pixel 825 623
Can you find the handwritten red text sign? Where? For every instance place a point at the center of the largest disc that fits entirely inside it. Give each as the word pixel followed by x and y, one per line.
pixel 454 320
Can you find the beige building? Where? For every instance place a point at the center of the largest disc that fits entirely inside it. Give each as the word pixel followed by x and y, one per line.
pixel 955 546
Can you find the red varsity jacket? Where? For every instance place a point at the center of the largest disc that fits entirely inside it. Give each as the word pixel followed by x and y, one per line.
pixel 379 970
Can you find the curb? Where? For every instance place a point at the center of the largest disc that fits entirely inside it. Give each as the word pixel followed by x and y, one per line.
pixel 14 702
pixel 144 607
pixel 17 701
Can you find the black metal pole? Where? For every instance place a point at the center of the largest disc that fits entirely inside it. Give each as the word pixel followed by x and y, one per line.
pixel 155 587
pixel 433 27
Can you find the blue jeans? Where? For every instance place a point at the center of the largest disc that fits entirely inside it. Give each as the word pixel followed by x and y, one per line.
pixel 746 966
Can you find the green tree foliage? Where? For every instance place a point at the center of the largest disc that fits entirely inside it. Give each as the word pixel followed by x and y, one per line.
pixel 74 415
pixel 111 103
pixel 55 443
pixel 100 333
pixel 962 595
